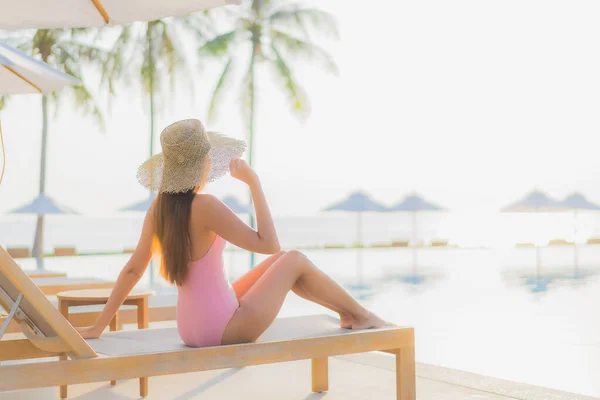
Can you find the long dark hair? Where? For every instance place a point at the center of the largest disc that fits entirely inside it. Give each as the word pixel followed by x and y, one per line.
pixel 172 230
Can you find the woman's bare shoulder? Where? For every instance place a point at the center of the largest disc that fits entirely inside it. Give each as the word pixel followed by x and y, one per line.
pixel 206 202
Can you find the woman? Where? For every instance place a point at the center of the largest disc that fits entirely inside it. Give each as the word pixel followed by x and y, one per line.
pixel 190 230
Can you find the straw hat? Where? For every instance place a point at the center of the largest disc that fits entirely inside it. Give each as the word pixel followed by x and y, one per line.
pixel 182 165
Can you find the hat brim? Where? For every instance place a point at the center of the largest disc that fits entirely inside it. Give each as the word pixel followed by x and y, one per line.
pixel 223 150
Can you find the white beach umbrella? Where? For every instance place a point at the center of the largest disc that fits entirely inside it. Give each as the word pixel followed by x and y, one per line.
pixel 21 74
pixel 49 14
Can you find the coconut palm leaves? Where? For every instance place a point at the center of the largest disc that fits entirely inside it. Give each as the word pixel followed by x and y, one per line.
pixel 274 34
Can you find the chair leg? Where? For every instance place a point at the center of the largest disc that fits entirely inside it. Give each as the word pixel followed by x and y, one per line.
pixel 63 389
pixel 143 320
pixel 405 374
pixel 320 374
pixel 114 326
pixel 143 387
pixel 63 307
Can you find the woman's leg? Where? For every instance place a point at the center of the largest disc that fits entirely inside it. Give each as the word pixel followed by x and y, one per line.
pixel 243 284
pixel 261 304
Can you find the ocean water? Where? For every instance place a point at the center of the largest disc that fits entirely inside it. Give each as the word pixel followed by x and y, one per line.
pixel 485 310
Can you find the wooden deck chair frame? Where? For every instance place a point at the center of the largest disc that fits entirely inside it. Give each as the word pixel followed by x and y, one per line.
pixel 49 334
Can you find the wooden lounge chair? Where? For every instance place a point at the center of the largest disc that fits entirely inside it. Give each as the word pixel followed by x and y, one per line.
pixel 152 352
pixel 50 286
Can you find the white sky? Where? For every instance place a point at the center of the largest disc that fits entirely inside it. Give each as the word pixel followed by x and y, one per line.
pixel 470 103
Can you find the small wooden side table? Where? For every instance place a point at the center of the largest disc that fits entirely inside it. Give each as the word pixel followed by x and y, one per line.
pixel 87 297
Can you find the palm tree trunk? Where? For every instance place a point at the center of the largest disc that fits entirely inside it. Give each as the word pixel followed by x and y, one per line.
pixel 255 50
pixel 151 92
pixel 38 245
pixel 251 139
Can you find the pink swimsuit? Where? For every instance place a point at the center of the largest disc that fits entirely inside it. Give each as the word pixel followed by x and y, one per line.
pixel 206 300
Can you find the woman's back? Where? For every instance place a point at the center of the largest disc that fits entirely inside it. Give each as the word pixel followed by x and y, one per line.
pixel 206 299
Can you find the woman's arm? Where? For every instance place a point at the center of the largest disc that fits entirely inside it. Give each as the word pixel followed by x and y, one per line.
pixel 128 278
pixel 216 216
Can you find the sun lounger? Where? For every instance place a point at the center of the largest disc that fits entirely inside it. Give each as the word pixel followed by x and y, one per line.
pixel 50 286
pixel 153 352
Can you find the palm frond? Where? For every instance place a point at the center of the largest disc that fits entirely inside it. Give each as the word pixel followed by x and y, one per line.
pixel 87 104
pixel 298 48
pixel 215 99
pixel 298 17
pixel 116 65
pixel 296 95
pixel 218 46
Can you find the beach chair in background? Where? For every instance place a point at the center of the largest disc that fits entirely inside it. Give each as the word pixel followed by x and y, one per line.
pixel 593 240
pixel 53 285
pixel 153 352
pixel 65 251
pixel 439 243
pixel 19 252
pixel 560 242
pixel 43 273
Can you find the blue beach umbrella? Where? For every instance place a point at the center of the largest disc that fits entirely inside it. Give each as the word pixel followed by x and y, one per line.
pixel 577 202
pixel 535 202
pixel 358 203
pixel 235 205
pixel 143 205
pixel 415 204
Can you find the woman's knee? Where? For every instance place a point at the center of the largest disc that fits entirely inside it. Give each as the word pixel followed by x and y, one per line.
pixel 295 255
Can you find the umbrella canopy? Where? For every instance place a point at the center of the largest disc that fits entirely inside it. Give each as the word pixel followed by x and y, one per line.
pixel 535 201
pixel 43 205
pixel 49 14
pixel 577 201
pixel 357 202
pixel 143 205
pixel 21 74
pixel 235 205
pixel 415 203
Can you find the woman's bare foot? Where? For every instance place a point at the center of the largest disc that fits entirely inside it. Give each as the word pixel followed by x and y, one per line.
pixel 370 321
pixel 345 321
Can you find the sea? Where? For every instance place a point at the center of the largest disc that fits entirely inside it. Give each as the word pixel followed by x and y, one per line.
pixel 481 304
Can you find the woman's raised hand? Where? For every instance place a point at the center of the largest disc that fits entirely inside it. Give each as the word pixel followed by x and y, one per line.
pixel 240 170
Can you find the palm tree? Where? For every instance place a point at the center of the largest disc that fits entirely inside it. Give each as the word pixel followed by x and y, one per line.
pixel 161 59
pixel 272 34
pixel 67 50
